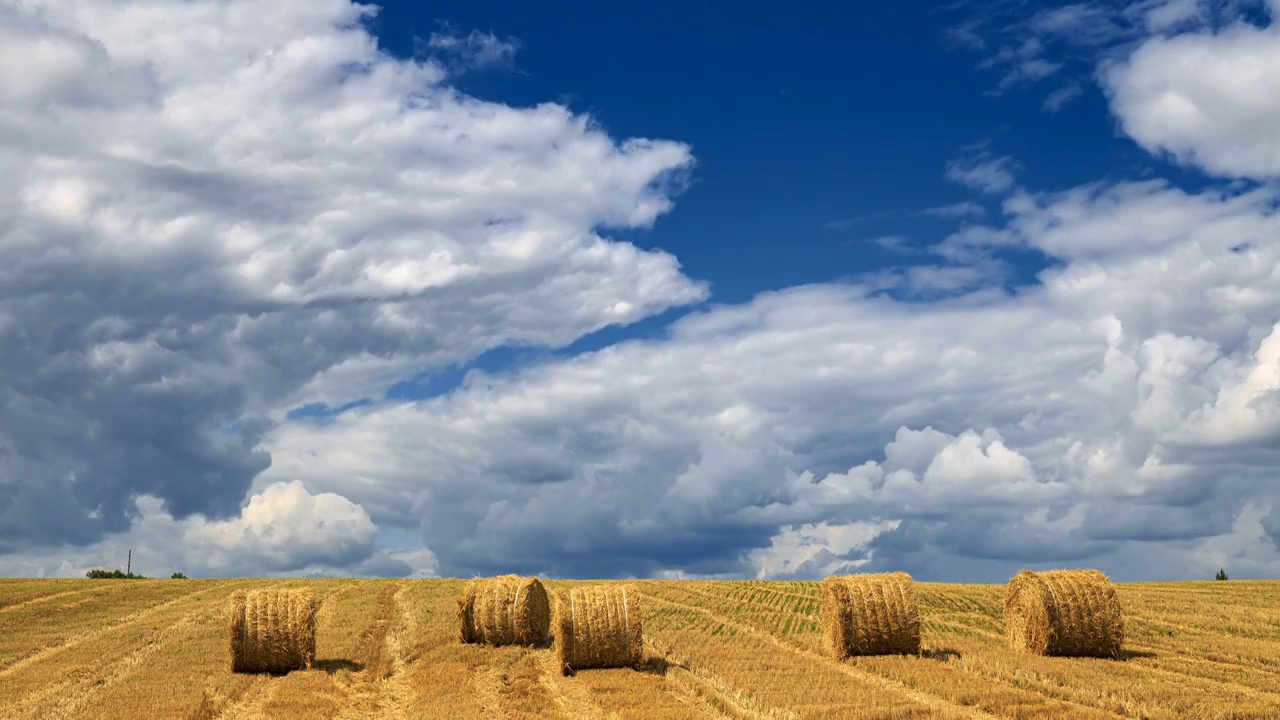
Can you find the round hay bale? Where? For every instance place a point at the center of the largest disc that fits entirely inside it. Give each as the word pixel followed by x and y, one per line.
pixel 1063 612
pixel 870 614
pixel 598 627
pixel 505 610
pixel 272 631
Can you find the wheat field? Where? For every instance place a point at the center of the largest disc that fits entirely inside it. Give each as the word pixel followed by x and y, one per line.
pixel 388 649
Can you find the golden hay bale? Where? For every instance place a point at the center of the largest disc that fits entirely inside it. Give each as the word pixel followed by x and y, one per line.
pixel 598 627
pixel 1063 612
pixel 504 610
pixel 870 614
pixel 272 630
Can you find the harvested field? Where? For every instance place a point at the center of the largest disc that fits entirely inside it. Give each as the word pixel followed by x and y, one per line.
pixel 389 649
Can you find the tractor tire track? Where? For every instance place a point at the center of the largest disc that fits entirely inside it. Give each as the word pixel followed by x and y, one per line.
pixel 572 699
pixel 379 689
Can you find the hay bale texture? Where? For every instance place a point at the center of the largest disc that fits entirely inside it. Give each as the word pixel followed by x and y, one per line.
pixel 598 627
pixel 870 614
pixel 1063 612
pixel 272 631
pixel 505 610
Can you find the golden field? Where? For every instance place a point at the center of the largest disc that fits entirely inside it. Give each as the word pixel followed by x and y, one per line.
pixel 388 649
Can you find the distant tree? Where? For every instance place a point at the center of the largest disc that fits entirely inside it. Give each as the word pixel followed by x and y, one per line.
pixel 116 574
pixel 177 576
pixel 1222 574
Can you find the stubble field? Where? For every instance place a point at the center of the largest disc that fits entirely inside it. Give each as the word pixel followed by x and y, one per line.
pixel 388 649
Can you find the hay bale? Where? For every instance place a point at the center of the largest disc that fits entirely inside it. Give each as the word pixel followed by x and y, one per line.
pixel 598 627
pixel 272 631
pixel 1063 612
pixel 504 610
pixel 870 614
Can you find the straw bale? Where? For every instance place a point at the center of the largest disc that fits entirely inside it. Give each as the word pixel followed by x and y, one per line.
pixel 1063 612
pixel 272 631
pixel 598 627
pixel 505 610
pixel 870 614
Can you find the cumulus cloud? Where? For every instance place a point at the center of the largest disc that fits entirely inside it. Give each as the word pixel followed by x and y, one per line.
pixel 272 213
pixel 284 530
pixel 1204 99
pixel 214 212
pixel 816 550
pixel 1029 42
pixel 1063 423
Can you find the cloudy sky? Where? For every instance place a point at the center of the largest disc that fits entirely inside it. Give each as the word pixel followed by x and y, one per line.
pixel 297 287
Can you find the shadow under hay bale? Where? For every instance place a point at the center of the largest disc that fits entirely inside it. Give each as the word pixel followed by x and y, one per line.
pixel 504 610
pixel 272 631
pixel 1072 613
pixel 598 627
pixel 870 614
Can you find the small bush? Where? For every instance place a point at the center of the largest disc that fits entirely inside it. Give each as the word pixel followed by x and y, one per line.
pixel 177 576
pixel 116 574
pixel 1222 574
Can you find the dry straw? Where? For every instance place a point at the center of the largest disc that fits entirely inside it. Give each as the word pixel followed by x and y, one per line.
pixel 504 610
pixel 1063 612
pixel 272 630
pixel 598 627
pixel 870 614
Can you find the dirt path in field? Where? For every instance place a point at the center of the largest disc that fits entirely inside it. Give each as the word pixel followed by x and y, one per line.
pixel 488 682
pixel 941 704
pixel 249 705
pixel 379 690
pixel 572 699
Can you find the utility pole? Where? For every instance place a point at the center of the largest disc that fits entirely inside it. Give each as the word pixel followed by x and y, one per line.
pixel 129 566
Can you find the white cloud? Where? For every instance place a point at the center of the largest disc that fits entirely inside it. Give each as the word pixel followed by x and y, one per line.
pixel 816 550
pixel 1058 424
pixel 1059 98
pixel 1247 406
pixel 284 530
pixel 272 213
pixel 980 170
pixel 966 209
pixel 215 211
pixel 476 49
pixel 1205 99
pixel 894 243
pixel 1163 15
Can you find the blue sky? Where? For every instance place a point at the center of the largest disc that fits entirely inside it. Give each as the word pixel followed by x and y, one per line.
pixel 815 130
pixel 820 133
pixel 673 290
